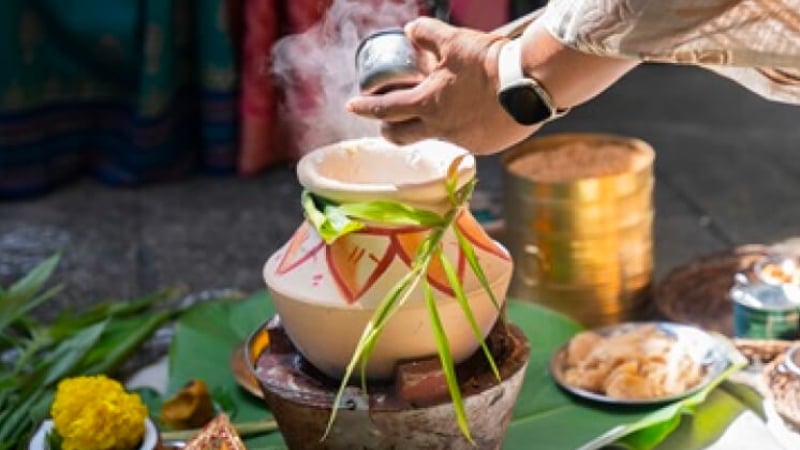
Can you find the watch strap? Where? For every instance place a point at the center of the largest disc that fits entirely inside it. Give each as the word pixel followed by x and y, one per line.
pixel 510 64
pixel 510 74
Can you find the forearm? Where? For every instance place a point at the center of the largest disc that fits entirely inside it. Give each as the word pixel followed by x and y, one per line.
pixel 570 76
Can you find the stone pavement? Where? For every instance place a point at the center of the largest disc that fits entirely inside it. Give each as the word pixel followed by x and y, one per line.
pixel 728 172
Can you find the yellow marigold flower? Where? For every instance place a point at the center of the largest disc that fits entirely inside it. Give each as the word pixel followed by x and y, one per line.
pixel 95 413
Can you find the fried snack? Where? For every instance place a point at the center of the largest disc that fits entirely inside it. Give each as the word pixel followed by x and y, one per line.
pixel 191 407
pixel 640 363
pixel 219 434
pixel 581 346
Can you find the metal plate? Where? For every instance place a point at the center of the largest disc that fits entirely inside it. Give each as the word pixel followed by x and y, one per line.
pixel 708 351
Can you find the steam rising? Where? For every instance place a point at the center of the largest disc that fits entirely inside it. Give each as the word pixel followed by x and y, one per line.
pixel 317 69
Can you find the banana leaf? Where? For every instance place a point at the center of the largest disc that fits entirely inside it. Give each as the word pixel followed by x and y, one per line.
pixel 24 295
pixel 204 340
pixel 544 414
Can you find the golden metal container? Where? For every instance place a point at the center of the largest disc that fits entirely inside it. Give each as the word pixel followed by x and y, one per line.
pixel 593 218
pixel 582 246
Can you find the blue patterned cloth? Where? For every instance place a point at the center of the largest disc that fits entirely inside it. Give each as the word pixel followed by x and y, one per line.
pixel 129 90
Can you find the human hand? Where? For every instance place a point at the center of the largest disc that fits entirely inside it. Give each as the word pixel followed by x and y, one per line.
pixel 457 100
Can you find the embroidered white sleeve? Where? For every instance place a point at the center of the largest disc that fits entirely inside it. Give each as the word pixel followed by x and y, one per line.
pixel 737 38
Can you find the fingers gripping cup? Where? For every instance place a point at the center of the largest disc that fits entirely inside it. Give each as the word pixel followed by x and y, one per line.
pixel 387 60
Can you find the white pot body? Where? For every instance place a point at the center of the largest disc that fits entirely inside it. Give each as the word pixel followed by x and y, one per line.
pixel 326 294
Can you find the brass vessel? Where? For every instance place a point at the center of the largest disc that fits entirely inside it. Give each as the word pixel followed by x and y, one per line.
pixel 583 246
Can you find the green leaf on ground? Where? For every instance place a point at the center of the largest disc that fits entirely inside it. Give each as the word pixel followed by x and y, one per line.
pixel 22 297
pixel 69 353
pixel 543 407
pixel 121 337
pixel 205 338
pixel 544 413
pixel 151 398
pixel 76 343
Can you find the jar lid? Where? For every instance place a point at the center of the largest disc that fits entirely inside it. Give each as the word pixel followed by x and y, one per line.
pixel 772 283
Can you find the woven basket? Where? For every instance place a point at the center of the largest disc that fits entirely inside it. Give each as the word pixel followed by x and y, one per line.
pixel 698 292
pixel 784 388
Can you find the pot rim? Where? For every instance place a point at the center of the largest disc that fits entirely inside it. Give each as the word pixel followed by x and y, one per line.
pixel 435 154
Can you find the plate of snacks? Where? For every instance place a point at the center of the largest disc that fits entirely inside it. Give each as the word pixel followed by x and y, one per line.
pixel 639 363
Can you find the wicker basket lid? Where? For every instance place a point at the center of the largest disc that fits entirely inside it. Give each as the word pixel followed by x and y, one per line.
pixel 698 292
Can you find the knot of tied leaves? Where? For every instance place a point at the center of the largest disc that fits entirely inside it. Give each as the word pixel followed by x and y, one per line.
pixel 333 220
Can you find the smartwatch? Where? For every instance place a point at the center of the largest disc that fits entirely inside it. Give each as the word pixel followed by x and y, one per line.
pixel 523 98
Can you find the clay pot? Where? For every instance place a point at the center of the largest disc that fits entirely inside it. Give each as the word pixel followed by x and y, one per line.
pixel 325 294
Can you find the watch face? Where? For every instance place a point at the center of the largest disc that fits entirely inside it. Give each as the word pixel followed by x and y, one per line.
pixel 524 104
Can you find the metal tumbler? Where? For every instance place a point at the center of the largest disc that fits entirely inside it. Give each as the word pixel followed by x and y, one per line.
pixel 387 60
